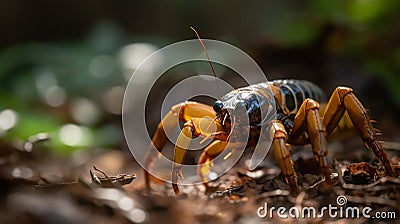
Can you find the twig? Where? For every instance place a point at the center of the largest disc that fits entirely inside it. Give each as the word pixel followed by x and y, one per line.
pixel 382 180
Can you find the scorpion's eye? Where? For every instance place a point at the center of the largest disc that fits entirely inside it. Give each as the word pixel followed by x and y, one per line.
pixel 218 106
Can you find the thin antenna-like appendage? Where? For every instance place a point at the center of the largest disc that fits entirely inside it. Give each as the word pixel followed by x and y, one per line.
pixel 209 60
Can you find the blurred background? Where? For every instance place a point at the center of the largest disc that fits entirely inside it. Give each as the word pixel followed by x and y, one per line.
pixel 64 65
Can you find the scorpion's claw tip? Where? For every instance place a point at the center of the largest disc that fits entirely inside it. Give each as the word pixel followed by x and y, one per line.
pixel 180 174
pixel 176 189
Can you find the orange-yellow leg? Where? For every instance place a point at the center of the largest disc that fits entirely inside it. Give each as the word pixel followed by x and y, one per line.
pixel 211 151
pixel 183 112
pixel 343 99
pixel 204 126
pixel 181 146
pixel 279 136
pixel 309 120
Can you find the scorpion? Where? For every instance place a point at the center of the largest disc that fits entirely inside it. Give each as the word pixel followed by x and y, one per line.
pixel 303 116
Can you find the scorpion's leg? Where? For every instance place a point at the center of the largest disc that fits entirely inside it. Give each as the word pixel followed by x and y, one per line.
pixel 211 151
pixel 204 126
pixel 282 154
pixel 184 112
pixel 343 99
pixel 309 120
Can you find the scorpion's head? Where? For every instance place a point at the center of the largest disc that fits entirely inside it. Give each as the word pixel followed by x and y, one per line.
pixel 243 106
pixel 222 114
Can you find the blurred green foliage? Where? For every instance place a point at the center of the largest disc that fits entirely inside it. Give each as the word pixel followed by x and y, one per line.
pixel 27 69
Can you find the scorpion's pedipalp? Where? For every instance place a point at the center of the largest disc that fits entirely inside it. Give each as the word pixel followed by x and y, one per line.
pixel 184 112
pixel 197 126
pixel 278 135
pixel 343 99
pixel 210 152
pixel 181 146
pixel 308 119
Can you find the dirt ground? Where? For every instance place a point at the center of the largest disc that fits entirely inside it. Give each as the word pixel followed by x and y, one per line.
pixel 39 187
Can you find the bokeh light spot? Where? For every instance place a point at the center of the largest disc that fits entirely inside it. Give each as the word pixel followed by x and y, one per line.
pixel 22 172
pixel 112 100
pixel 8 119
pixel 138 215
pixel 131 56
pixel 84 111
pixel 101 66
pixel 125 204
pixel 55 96
pixel 73 135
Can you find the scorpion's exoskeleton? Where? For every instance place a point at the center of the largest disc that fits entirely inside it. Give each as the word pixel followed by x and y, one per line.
pixel 299 121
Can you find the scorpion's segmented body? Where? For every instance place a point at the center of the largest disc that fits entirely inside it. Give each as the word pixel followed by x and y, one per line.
pixel 294 92
pixel 288 95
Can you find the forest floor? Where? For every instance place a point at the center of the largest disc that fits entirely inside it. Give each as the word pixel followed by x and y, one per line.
pixel 39 187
